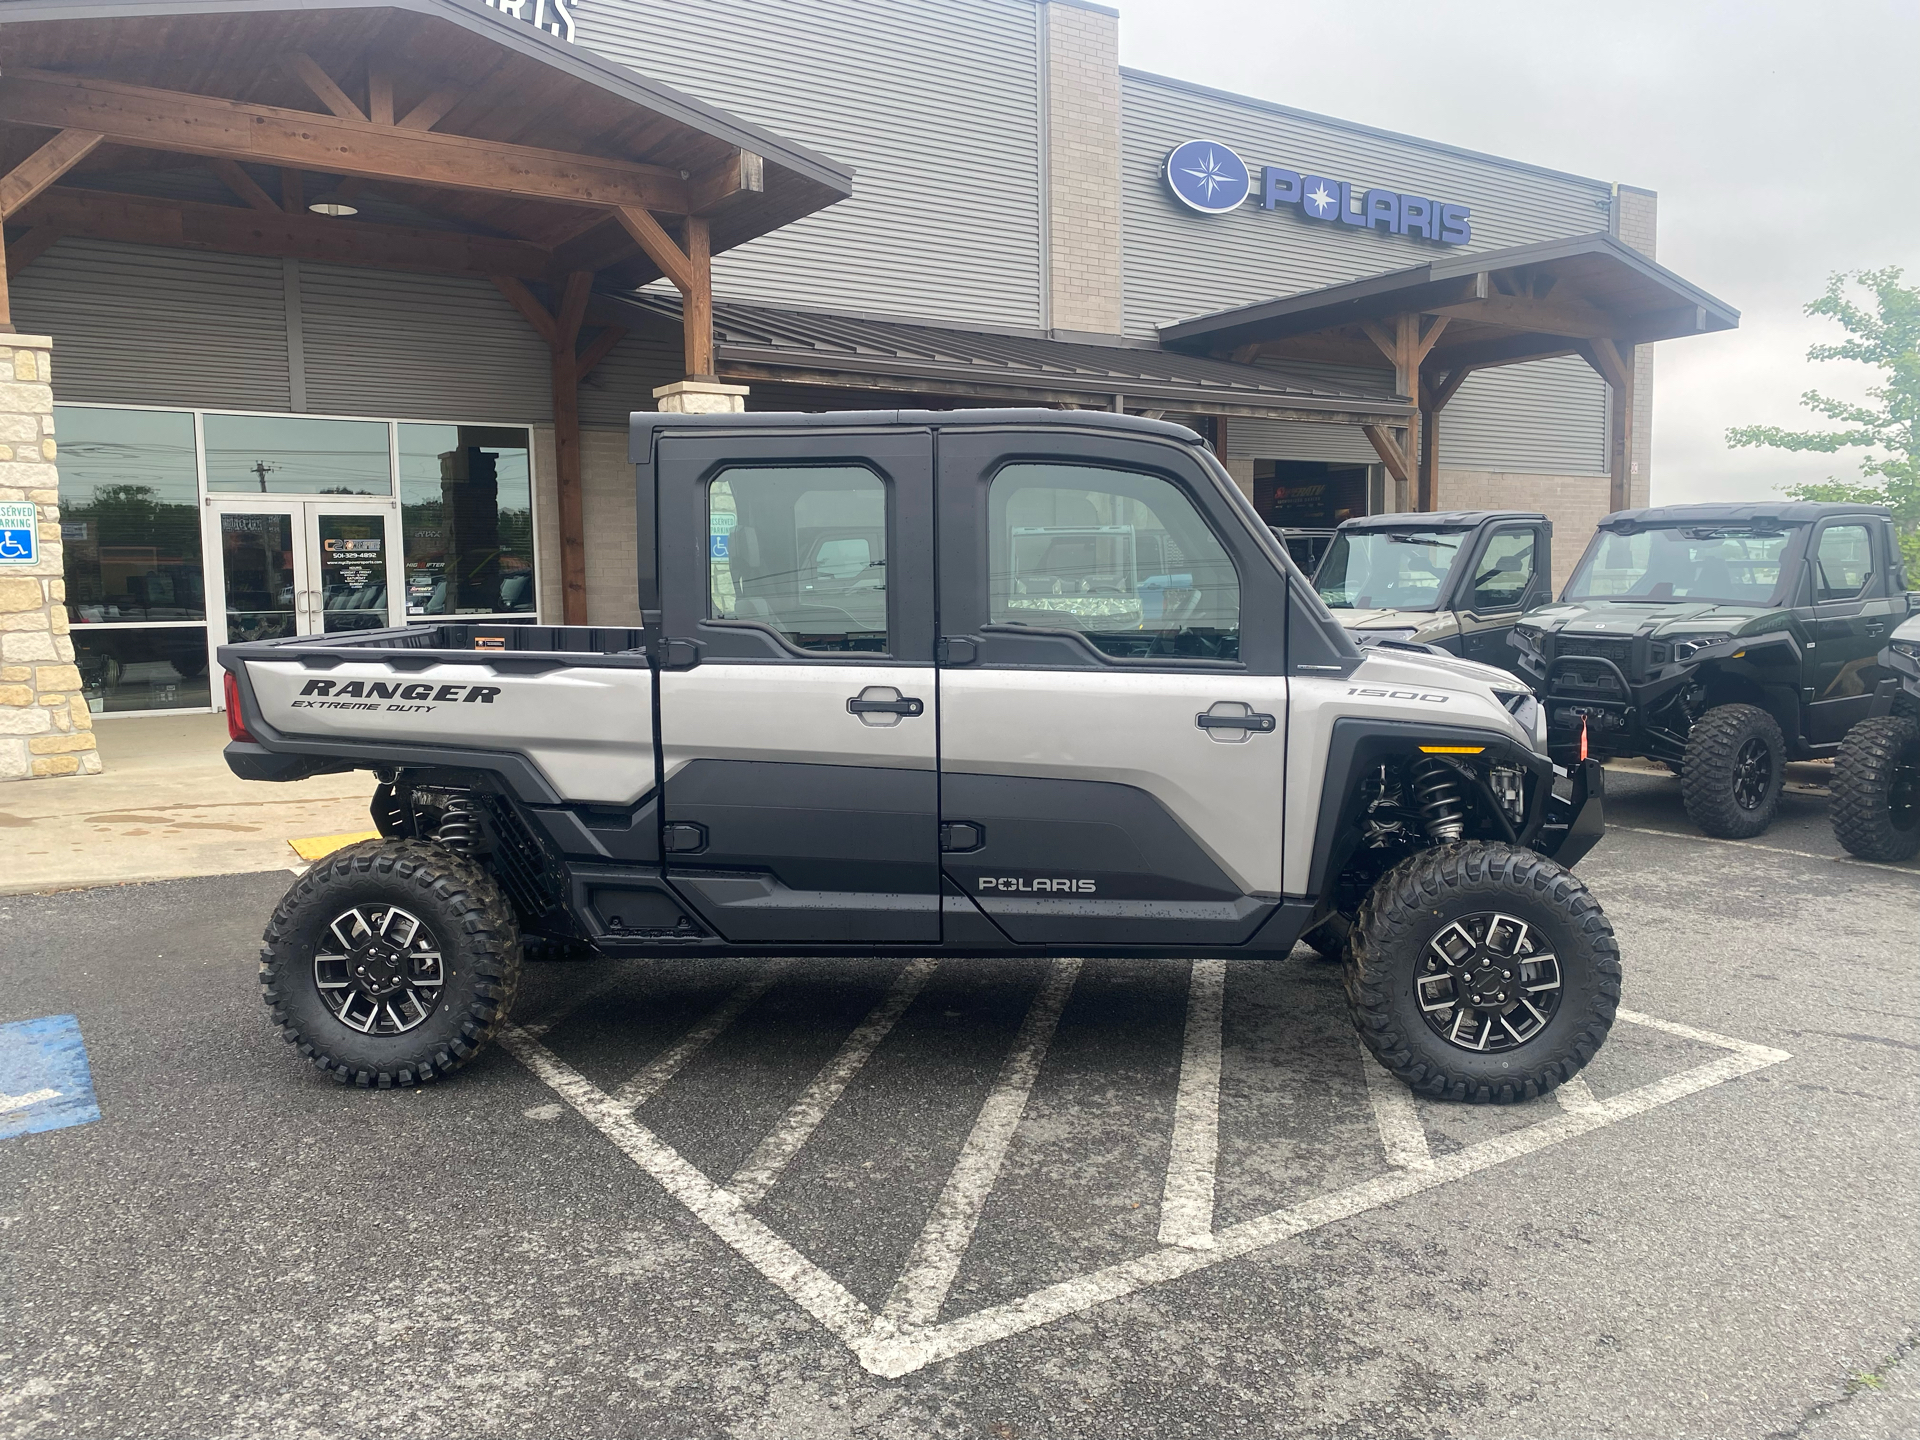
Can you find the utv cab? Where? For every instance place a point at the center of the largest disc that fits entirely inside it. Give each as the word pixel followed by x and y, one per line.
pixel 1453 582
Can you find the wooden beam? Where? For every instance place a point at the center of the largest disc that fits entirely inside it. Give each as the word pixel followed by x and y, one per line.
pixel 1607 362
pixel 31 246
pixel 696 303
pixel 6 290
pixel 430 111
pixel 1616 368
pixel 1443 390
pixel 573 309
pixel 651 237
pixel 321 84
pixel 229 230
pixel 241 184
pixel 531 310
pixel 293 191
pixel 1388 342
pixel 197 125
pixel 1431 329
pixel 380 95
pixel 1542 316
pixel 1509 350
pixel 598 349
pixel 742 173
pixel 1389 451
pixel 44 166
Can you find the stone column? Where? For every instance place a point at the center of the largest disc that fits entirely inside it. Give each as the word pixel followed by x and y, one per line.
pixel 1084 280
pixel 700 397
pixel 45 728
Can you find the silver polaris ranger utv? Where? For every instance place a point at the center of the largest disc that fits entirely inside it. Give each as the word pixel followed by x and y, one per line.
pixel 980 683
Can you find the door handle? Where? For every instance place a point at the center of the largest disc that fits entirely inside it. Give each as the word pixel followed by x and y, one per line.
pixel 902 705
pixel 1875 629
pixel 1234 722
pixel 1252 721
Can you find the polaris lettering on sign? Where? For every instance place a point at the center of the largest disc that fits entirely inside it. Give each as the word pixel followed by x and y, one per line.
pixel 1043 885
pixel 1209 177
pixel 553 16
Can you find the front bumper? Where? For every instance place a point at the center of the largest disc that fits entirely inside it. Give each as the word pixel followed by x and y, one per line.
pixel 1575 824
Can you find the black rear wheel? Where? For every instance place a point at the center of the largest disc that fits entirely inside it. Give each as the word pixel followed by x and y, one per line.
pixel 1482 972
pixel 1876 789
pixel 391 962
pixel 1734 767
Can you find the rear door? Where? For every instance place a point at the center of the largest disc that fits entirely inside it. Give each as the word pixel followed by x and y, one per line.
pixel 1503 579
pixel 797 707
pixel 1113 700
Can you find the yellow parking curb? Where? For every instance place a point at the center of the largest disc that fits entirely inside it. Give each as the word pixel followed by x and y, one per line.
pixel 318 847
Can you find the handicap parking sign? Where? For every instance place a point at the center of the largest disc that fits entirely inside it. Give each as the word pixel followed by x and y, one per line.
pixel 45 1082
pixel 19 539
pixel 717 547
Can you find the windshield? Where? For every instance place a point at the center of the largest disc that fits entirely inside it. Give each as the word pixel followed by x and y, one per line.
pixel 1734 564
pixel 1387 569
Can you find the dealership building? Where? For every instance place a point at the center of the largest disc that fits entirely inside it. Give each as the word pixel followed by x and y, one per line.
pixel 331 314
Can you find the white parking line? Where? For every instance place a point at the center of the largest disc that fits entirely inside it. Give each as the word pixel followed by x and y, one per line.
pixel 1884 868
pixel 663 1067
pixel 906 1336
pixel 773 1154
pixel 10 1103
pixel 923 1285
pixel 1401 1134
pixel 1186 1203
pixel 1576 1096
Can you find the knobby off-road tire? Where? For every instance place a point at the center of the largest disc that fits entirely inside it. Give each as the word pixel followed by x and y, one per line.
pixel 1328 939
pixel 1439 895
pixel 431 903
pixel 1735 764
pixel 1876 789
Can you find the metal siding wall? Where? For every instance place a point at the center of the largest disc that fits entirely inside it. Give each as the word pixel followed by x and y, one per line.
pixel 1298 440
pixel 936 105
pixel 626 379
pixel 1180 264
pixel 137 325
pixel 436 347
pixel 1545 418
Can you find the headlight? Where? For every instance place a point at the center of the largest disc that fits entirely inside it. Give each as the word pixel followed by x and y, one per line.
pixel 1907 648
pixel 1374 637
pixel 1687 647
pixel 1525 637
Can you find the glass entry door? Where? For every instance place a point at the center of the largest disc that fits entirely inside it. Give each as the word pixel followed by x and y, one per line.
pixel 304 567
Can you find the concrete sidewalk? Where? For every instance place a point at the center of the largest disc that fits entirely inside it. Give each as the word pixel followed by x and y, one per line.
pixel 165 807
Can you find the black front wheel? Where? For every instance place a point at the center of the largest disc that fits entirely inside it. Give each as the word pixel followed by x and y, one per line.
pixel 1876 789
pixel 1735 764
pixel 1482 972
pixel 391 962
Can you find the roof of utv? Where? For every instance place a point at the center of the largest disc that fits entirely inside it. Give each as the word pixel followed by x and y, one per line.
pixel 645 422
pixel 1436 519
pixel 1780 512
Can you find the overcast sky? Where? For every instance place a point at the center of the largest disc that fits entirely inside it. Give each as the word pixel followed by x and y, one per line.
pixel 1783 139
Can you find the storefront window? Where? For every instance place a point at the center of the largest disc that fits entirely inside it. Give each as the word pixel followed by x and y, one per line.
pixel 288 455
pixel 129 515
pixel 143 668
pixel 466 512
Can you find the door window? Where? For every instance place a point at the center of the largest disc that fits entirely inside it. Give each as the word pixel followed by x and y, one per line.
pixel 1120 558
pixel 1504 571
pixel 1842 562
pixel 466 512
pixel 353 571
pixel 256 563
pixel 801 551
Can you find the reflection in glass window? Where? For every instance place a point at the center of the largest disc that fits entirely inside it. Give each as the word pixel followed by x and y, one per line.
pixel 289 455
pixel 129 515
pixel 1124 559
pixel 466 508
pixel 1735 563
pixel 1387 569
pixel 802 551
pixel 141 669
pixel 1502 574
pixel 1843 562
pixel 256 554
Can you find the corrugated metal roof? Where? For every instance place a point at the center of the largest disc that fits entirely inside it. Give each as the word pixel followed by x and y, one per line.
pixel 755 341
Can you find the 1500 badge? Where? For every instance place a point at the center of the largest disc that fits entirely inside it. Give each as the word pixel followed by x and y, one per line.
pixel 1378 694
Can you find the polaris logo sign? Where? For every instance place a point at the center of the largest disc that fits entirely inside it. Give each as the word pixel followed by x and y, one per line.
pixel 553 16
pixel 1209 177
pixel 1043 885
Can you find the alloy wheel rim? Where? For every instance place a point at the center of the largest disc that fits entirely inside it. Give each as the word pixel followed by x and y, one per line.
pixel 1752 774
pixel 379 970
pixel 1488 983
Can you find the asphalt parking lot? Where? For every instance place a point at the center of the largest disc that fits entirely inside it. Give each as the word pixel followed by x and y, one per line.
pixel 996 1199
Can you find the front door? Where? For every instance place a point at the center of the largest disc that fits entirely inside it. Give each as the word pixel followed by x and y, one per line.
pixel 303 567
pixel 1853 612
pixel 1113 694
pixel 797 706
pixel 1502 581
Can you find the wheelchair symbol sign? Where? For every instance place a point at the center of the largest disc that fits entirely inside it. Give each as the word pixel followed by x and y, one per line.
pixel 19 539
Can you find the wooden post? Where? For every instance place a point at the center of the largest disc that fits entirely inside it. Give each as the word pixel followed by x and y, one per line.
pixel 6 290
pixel 1614 364
pixel 696 302
pixel 566 446
pixel 1407 346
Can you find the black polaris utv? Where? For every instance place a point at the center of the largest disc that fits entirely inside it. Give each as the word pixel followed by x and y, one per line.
pixel 1876 775
pixel 1723 640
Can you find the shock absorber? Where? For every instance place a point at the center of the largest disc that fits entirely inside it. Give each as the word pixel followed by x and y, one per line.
pixel 1436 794
pixel 459 827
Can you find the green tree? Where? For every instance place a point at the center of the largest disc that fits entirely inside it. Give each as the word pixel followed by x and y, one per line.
pixel 1887 338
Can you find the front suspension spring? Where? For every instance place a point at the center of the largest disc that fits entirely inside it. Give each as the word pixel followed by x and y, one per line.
pixel 1436 794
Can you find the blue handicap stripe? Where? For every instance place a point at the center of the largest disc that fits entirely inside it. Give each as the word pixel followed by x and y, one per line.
pixel 45 1082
